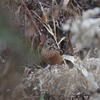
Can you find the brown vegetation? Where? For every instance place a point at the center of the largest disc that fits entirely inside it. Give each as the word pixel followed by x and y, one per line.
pixel 75 27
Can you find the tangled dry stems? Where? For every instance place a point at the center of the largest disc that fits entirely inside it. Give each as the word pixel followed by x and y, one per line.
pixel 60 79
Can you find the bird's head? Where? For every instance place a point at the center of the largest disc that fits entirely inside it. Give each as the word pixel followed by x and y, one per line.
pixel 49 43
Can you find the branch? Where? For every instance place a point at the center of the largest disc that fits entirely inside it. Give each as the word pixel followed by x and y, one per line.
pixel 27 10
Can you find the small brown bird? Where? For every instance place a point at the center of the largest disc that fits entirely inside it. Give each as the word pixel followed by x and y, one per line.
pixel 50 53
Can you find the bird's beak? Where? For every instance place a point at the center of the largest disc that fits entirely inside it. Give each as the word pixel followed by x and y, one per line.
pixel 52 45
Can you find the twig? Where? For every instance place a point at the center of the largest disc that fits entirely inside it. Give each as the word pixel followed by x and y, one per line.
pixel 24 94
pixel 73 46
pixel 27 10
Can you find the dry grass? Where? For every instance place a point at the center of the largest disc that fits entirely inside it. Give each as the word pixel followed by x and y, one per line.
pixel 57 82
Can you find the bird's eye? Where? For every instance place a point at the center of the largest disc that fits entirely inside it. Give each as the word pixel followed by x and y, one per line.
pixel 48 43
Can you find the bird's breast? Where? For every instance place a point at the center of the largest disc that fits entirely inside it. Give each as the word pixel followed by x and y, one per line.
pixel 51 57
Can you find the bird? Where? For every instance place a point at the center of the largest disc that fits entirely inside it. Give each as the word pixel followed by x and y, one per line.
pixel 50 53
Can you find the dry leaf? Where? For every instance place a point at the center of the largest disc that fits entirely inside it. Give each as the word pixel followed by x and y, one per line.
pixel 30 32
pixel 65 3
pixel 68 57
pixel 45 13
pixel 55 12
pixel 44 17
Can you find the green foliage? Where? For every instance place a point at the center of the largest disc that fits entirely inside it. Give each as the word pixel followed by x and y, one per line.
pixel 42 97
pixel 8 35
